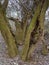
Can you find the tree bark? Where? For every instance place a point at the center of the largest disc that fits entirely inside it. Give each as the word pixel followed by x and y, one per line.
pixel 30 29
pixel 12 48
pixel 19 35
pixel 41 25
pixel 41 21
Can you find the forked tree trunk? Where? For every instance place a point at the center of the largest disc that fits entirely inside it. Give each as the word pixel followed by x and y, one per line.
pixel 31 28
pixel 28 34
pixel 20 33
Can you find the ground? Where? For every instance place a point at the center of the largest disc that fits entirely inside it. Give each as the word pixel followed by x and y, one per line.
pixel 36 58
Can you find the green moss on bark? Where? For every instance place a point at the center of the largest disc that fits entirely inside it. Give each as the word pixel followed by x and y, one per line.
pixel 12 49
pixel 30 29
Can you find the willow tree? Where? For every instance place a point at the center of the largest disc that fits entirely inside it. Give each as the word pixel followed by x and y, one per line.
pixel 24 32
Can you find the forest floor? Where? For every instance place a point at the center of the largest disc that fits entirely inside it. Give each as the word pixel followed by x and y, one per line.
pixel 36 58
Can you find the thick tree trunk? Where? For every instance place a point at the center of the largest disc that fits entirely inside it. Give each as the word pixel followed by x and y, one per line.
pixel 12 49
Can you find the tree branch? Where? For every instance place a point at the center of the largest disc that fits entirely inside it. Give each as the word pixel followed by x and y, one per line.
pixel 41 25
pixel 4 6
pixel 14 19
pixel 30 29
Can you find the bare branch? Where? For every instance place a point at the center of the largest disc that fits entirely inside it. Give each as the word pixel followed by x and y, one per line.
pixel 14 19
pixel 5 5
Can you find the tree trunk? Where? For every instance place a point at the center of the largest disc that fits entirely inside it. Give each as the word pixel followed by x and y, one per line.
pixel 21 35
pixel 30 29
pixel 12 49
pixel 41 25
pixel 41 21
